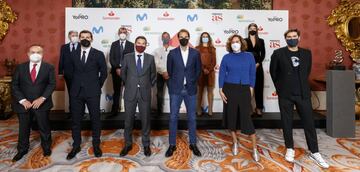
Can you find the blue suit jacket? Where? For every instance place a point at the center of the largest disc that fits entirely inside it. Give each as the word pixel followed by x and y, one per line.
pixel 178 71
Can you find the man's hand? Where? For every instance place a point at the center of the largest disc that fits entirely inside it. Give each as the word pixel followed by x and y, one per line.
pixel 257 65
pixel 222 95
pixel 165 75
pixel 38 102
pixel 27 105
pixel 118 72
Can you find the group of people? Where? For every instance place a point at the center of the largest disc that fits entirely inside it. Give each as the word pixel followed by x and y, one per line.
pixel 185 70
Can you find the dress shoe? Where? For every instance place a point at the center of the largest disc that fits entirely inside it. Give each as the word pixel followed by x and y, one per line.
pixel 256 155
pixel 195 149
pixel 18 156
pixel 147 151
pixel 235 149
pixel 46 152
pixel 97 151
pixel 125 150
pixel 170 151
pixel 73 153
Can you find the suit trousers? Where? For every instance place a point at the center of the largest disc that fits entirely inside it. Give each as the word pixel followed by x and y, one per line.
pixel 117 86
pixel 144 113
pixel 25 121
pixel 304 109
pixel 175 103
pixel 68 86
pixel 78 110
pixel 160 84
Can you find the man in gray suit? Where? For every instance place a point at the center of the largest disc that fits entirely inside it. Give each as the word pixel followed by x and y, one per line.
pixel 139 75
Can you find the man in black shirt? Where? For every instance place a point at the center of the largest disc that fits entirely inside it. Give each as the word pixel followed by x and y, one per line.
pixel 290 68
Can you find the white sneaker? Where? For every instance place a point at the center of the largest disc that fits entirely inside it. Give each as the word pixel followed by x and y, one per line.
pixel 319 160
pixel 290 155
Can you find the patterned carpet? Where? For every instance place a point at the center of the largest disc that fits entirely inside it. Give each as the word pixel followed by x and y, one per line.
pixel 342 154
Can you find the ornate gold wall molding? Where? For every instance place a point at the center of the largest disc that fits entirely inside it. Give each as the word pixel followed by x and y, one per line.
pixel 6 16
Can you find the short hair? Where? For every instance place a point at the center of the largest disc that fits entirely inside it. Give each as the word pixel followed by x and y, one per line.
pixel 292 30
pixel 183 30
pixel 165 33
pixel 122 28
pixel 86 31
pixel 228 43
pixel 36 45
pixel 72 31
pixel 141 37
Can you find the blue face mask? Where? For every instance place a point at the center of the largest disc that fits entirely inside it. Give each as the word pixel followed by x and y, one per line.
pixel 205 40
pixel 292 42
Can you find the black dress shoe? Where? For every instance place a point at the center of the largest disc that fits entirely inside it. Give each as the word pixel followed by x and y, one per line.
pixel 170 151
pixel 195 149
pixel 97 151
pixel 47 152
pixel 147 151
pixel 73 153
pixel 125 150
pixel 18 156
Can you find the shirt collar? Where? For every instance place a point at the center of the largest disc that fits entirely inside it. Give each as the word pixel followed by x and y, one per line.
pixel 142 54
pixel 32 63
pixel 85 49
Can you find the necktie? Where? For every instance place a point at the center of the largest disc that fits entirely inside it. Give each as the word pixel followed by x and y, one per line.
pixel 73 48
pixel 83 57
pixel 121 50
pixel 33 73
pixel 138 64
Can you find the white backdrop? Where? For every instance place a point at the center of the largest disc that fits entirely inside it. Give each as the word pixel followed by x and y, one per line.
pixel 105 22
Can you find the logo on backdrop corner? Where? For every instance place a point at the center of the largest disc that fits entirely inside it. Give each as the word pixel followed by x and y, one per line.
pixel 217 17
pixel 111 16
pixel 142 17
pixel 231 31
pixel 166 16
pixel 80 16
pixel 97 30
pixel 192 18
pixel 274 43
pixel 242 18
pixel 275 19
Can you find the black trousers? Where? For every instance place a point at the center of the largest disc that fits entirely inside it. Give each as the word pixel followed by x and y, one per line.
pixel 144 114
pixel 304 109
pixel 160 84
pixel 78 110
pixel 117 86
pixel 259 88
pixel 25 121
pixel 68 83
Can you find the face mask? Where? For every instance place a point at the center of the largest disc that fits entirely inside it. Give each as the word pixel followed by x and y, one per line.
pixel 122 36
pixel 252 32
pixel 292 42
pixel 74 39
pixel 140 49
pixel 205 40
pixel 236 47
pixel 85 43
pixel 165 41
pixel 184 42
pixel 35 57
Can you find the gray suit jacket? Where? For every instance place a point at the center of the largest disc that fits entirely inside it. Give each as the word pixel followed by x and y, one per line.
pixel 145 80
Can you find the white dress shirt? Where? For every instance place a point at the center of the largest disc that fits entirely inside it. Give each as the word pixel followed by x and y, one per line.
pixel 185 55
pixel 87 50
pixel 160 55
pixel 73 44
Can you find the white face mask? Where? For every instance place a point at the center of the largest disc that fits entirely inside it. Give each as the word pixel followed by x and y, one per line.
pixel 122 36
pixel 35 57
pixel 74 39
pixel 236 47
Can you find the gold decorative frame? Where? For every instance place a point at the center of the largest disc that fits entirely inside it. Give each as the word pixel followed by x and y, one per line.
pixel 340 18
pixel 6 16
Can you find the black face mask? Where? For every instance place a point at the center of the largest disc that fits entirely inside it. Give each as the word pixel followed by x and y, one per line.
pixel 85 43
pixel 184 42
pixel 252 32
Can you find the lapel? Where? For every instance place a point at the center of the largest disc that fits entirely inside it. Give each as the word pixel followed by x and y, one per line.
pixel 90 56
pixel 178 51
pixel 41 72
pixel 189 58
pixel 27 71
pixel 77 58
pixel 145 64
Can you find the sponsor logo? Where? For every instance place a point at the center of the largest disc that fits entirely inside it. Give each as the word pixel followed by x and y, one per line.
pixel 142 17
pixel 273 96
pixel 147 31
pixel 166 16
pixel 242 18
pixel 198 29
pixel 192 18
pixel 275 19
pixel 274 43
pixel 105 43
pixel 217 17
pixel 231 31
pixel 219 43
pixel 97 30
pixel 80 17
pixel 111 16
pixel 262 31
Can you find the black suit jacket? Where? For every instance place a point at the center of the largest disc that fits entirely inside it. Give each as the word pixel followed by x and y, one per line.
pixel 65 66
pixel 281 71
pixel 115 57
pixel 91 76
pixel 23 88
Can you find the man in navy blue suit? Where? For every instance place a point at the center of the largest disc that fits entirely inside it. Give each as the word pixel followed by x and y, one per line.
pixel 184 67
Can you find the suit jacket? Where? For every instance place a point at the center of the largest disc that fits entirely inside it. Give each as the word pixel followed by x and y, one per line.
pixel 281 71
pixel 146 79
pixel 178 71
pixel 23 88
pixel 91 76
pixel 115 56
pixel 65 66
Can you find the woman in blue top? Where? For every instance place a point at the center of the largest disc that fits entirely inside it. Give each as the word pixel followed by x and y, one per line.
pixel 236 82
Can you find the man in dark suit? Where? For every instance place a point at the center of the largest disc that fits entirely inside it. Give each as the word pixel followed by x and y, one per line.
pixel 139 75
pixel 184 67
pixel 32 86
pixel 89 74
pixel 117 51
pixel 65 59
pixel 290 68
